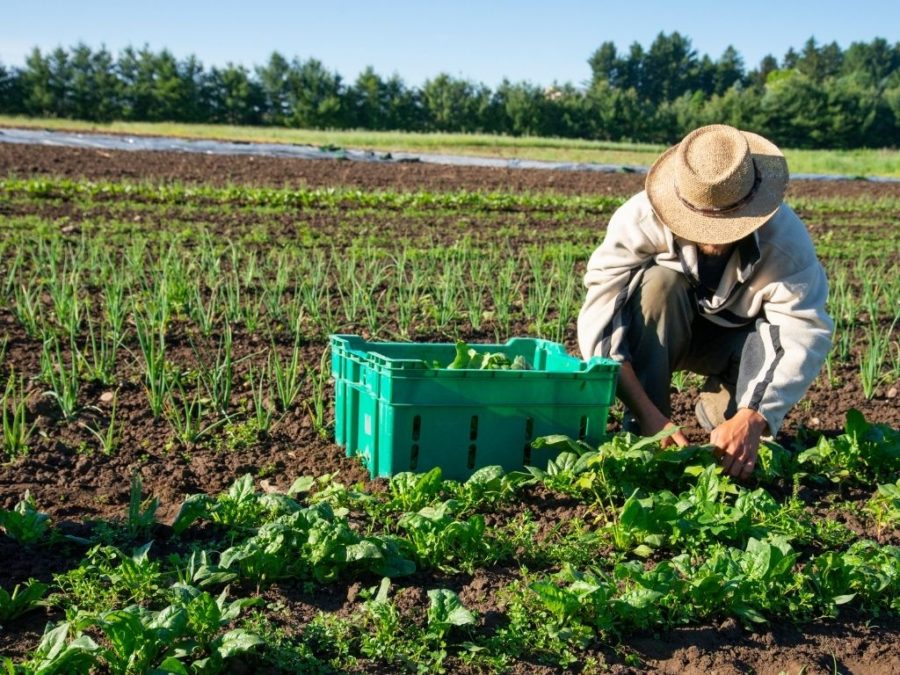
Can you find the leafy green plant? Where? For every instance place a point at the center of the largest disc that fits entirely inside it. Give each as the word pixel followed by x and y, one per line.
pixel 467 357
pixel 206 617
pixel 138 639
pixel 863 453
pixel 885 505
pixel 107 577
pixel 25 523
pixel 446 611
pixel 441 541
pixel 56 654
pixel 313 543
pixel 23 598
pixel 410 491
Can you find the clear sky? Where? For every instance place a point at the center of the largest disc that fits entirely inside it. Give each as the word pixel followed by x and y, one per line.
pixel 484 41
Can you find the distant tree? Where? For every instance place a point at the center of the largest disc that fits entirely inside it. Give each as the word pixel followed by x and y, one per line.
pixel 792 110
pixel 11 100
pixel 819 63
pixel 790 59
pixel 874 61
pixel 94 87
pixel 232 96
pixel 41 97
pixel 405 109
pixel 632 69
pixel 370 101
pixel 450 104
pixel 616 114
pixel 819 97
pixel 192 106
pixel 274 80
pixel 315 95
pixel 891 103
pixel 567 113
pixel 136 73
pixel 856 115
pixel 669 68
pixel 757 77
pixel 157 87
pixel 739 107
pixel 704 77
pixel 729 71
pixel 524 107
pixel 605 65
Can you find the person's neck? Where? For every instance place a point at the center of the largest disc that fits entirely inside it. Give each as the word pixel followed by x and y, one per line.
pixel 715 250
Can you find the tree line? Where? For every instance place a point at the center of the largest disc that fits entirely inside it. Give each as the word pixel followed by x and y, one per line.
pixel 820 97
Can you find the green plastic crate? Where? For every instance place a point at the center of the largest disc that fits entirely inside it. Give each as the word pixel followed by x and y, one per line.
pixel 399 414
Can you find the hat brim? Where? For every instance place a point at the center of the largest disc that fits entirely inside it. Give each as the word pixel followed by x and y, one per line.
pixel 732 225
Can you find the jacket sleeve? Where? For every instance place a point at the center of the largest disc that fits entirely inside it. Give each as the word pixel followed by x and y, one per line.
pixel 613 273
pixel 794 340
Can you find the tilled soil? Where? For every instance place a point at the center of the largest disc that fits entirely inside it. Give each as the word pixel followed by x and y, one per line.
pixel 31 161
pixel 75 485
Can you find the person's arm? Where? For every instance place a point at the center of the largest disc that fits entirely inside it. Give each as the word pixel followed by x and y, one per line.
pixel 633 238
pixel 651 420
pixel 794 339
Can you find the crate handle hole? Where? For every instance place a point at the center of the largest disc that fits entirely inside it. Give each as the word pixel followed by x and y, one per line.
pixel 414 457
pixel 471 460
pixel 473 429
pixel 529 434
pixel 582 428
pixel 417 427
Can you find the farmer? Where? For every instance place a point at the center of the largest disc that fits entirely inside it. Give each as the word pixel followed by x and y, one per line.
pixel 707 270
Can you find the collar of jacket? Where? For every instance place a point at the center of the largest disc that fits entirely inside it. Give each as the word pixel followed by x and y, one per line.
pixel 746 250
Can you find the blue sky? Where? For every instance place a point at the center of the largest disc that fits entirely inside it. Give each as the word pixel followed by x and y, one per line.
pixel 482 41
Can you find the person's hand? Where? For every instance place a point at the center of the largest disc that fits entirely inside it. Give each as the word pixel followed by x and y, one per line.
pixel 736 442
pixel 648 416
pixel 658 422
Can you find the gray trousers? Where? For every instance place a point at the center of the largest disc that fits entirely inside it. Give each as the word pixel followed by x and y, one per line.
pixel 667 332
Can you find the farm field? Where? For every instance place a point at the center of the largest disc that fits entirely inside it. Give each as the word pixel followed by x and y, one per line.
pixel 860 162
pixel 165 321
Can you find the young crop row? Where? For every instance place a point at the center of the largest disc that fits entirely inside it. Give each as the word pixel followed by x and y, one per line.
pixel 663 539
pixel 305 197
pixel 301 198
pixel 163 318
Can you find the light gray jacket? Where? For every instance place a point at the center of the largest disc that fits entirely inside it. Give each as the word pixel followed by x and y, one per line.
pixel 773 278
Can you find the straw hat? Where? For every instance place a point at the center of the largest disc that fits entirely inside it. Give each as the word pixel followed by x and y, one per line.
pixel 718 185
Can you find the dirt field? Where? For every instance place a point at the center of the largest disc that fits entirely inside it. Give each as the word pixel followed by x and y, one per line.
pixel 76 487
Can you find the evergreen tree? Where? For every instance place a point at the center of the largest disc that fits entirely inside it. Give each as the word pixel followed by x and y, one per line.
pixel 274 82
pixel 729 71
pixel 11 102
pixel 315 96
pixel 232 97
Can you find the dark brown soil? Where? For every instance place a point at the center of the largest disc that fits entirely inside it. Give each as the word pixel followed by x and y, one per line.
pixel 31 160
pixel 74 484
